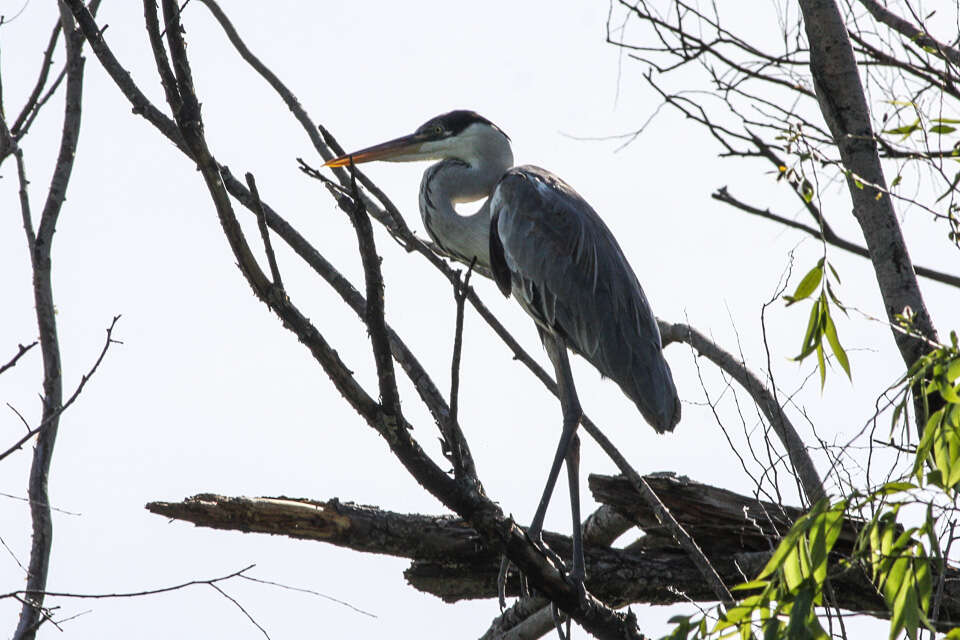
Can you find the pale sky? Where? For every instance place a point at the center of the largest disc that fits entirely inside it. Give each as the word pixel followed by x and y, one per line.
pixel 209 393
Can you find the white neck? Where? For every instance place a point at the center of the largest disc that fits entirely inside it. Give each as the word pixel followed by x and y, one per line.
pixel 475 162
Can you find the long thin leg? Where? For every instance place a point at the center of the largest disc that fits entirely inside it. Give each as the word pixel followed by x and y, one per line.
pixel 578 572
pixel 568 449
pixel 570 405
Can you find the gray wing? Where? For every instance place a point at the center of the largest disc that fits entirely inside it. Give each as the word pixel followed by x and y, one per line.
pixel 566 269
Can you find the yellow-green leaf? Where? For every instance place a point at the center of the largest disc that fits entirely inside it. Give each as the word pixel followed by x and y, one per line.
pixel 807 285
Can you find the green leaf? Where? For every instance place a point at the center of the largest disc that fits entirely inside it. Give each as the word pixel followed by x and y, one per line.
pixel 894 487
pixel 838 352
pixel 946 120
pixel 822 365
pixel 947 390
pixel 953 370
pixel 791 540
pixel 813 335
pixel 753 584
pixel 793 567
pixel 942 129
pixel 807 285
pixel 800 612
pixel 834 272
pixel 905 130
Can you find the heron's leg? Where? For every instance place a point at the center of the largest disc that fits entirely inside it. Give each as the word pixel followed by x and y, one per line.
pixel 578 572
pixel 570 405
pixel 568 449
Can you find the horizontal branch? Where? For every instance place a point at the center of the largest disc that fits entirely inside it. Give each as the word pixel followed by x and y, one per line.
pixel 737 533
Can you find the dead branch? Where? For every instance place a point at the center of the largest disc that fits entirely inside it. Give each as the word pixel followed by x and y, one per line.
pixel 736 532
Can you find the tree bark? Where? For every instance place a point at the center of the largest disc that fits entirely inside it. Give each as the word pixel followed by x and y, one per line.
pixel 844 107
pixel 736 532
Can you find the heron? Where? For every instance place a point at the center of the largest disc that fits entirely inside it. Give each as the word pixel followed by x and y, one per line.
pixel 546 246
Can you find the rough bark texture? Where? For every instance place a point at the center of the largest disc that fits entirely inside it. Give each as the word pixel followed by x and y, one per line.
pixel 736 532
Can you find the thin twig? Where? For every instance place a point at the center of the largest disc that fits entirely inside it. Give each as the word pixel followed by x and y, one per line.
pixel 125 594
pixel 55 414
pixel 22 350
pixel 453 438
pixel 460 296
pixel 311 592
pixel 264 232
pixel 31 105
pixel 240 606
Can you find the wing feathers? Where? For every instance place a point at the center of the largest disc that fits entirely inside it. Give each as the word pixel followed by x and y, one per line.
pixel 569 273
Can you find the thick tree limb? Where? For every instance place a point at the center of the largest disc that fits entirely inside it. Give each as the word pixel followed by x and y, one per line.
pixel 450 561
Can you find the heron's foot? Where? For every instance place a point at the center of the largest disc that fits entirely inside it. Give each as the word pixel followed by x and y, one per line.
pixel 576 579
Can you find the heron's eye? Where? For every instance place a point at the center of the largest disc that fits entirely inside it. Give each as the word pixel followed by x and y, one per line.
pixel 436 129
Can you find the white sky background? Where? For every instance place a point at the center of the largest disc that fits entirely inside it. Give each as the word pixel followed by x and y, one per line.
pixel 209 394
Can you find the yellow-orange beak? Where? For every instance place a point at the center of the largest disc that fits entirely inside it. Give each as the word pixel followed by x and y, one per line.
pixel 405 148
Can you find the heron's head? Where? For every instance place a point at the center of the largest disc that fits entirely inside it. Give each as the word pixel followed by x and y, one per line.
pixel 461 134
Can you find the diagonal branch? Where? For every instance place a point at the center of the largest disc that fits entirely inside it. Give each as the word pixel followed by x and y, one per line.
pixel 54 416
pixel 830 236
pixel 20 351
pixel 844 107
pixel 498 531
pixel 910 31
pixel 374 318
pixel 796 449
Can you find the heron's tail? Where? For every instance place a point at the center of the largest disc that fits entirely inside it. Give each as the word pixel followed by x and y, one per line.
pixel 656 397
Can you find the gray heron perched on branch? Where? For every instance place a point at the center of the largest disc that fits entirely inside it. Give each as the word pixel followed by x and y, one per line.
pixel 545 245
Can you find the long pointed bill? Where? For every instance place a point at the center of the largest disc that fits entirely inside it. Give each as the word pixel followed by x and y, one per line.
pixel 393 150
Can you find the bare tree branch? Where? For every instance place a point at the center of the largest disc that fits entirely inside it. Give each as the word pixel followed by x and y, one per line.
pixel 20 351
pixel 484 514
pixel 739 534
pixel 910 31
pixel 827 234
pixel 54 416
pixel 796 449
pixel 40 255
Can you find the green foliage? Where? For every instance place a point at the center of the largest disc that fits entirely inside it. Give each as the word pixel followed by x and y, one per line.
pixel 782 600
pixel 821 324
